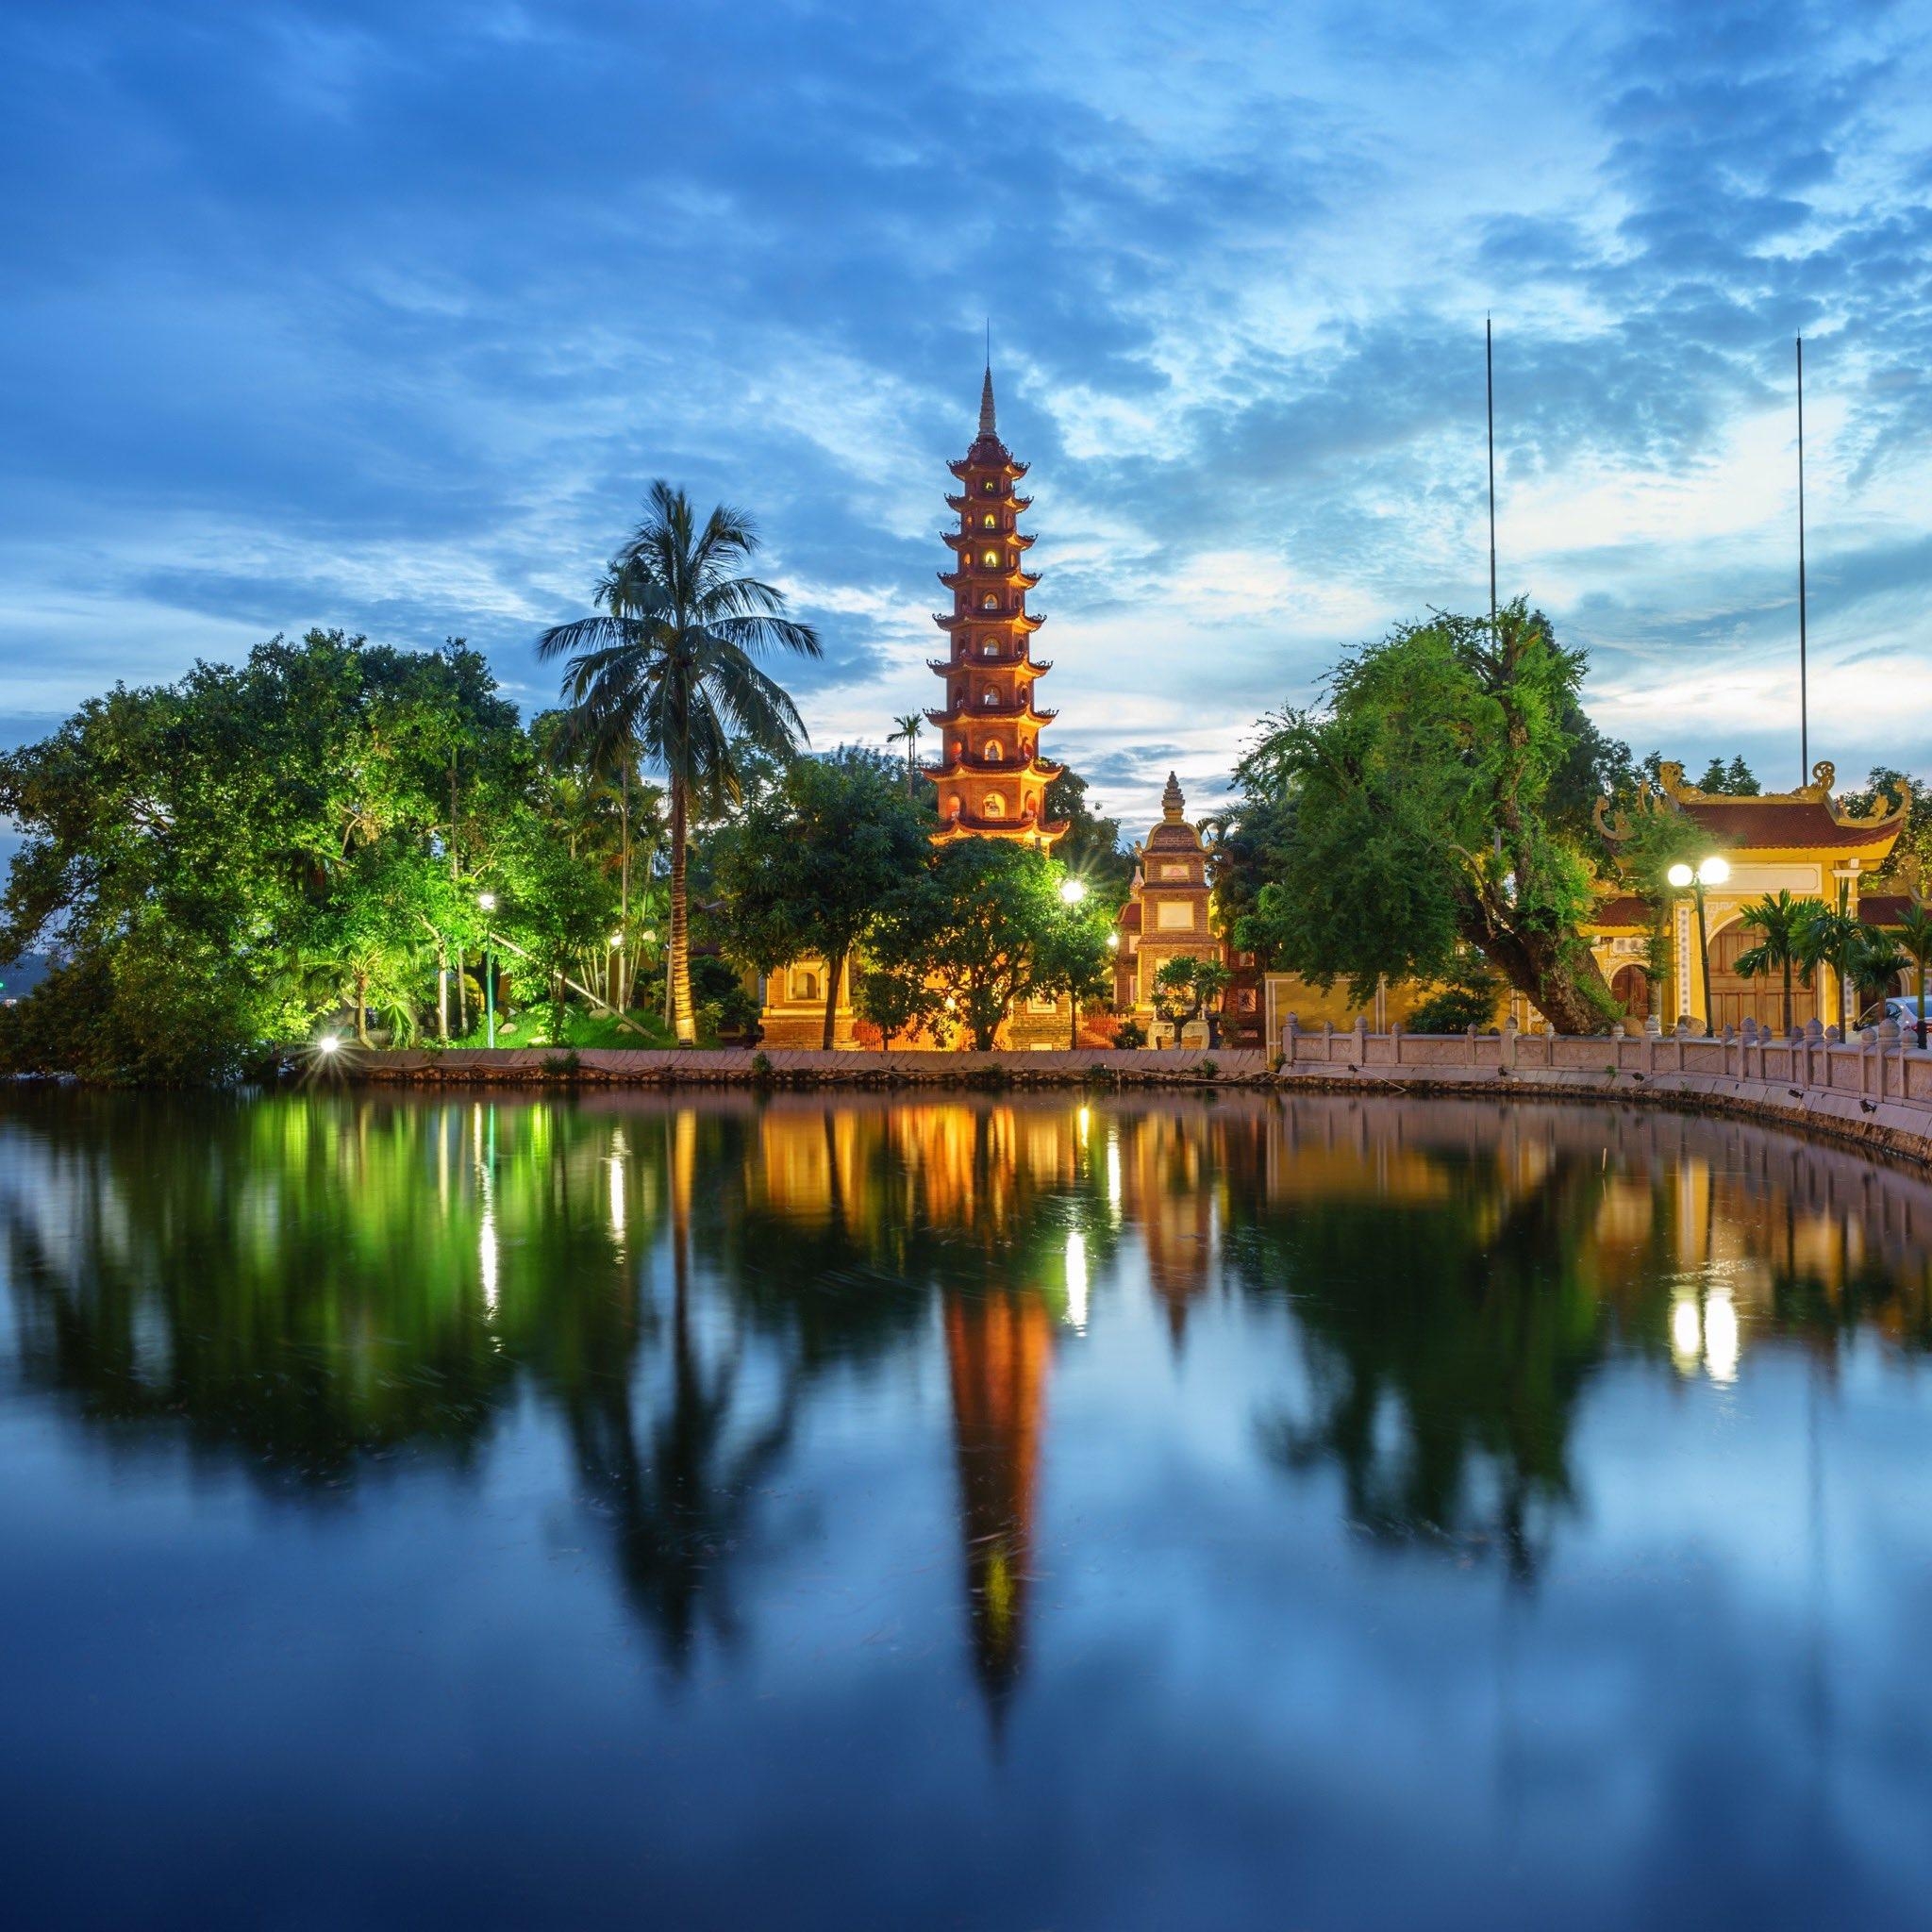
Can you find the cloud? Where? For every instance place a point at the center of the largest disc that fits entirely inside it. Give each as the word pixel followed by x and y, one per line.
pixel 385 317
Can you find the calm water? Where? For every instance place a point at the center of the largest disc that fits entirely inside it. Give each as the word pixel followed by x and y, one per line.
pixel 1332 1514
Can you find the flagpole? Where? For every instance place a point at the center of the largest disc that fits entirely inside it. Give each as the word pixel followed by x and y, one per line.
pixel 1490 391
pixel 1803 708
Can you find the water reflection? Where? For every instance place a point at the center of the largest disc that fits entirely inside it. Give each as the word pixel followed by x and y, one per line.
pixel 764 1339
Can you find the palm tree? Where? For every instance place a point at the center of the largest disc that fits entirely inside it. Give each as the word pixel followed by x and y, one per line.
pixel 668 665
pixel 1914 931
pixel 910 724
pixel 1781 919
pixel 1875 963
pixel 1832 938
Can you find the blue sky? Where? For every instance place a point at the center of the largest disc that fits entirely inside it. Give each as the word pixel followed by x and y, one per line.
pixel 385 315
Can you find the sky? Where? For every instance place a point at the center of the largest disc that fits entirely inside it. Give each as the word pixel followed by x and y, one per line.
pixel 384 316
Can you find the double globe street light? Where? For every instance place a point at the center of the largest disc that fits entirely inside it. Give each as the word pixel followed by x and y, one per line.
pixel 1710 872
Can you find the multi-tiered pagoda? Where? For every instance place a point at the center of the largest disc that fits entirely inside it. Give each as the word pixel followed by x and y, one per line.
pixel 991 777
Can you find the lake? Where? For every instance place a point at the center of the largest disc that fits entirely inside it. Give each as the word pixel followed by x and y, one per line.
pixel 1112 1513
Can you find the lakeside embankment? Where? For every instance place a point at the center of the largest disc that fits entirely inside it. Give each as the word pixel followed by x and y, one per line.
pixel 1878 1093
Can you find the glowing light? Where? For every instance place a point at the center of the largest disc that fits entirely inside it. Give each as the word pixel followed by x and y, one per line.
pixel 327 1044
pixel 1687 1334
pixel 1721 1338
pixel 1680 876
pixel 1113 943
pixel 616 940
pixel 1082 1121
pixel 1076 1281
pixel 1073 892
pixel 1713 871
pixel 1113 1174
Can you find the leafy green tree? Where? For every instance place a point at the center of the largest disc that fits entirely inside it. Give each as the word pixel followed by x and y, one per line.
pixel 1466 997
pixel 1780 920
pixel 805 870
pixel 1074 961
pixel 669 664
pixel 1911 854
pixel 1186 987
pixel 1735 780
pixel 558 912
pixel 972 935
pixel 892 1000
pixel 239 836
pixel 1424 821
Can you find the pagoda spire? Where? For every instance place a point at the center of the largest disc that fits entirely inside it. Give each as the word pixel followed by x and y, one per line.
pixel 986 422
pixel 1172 804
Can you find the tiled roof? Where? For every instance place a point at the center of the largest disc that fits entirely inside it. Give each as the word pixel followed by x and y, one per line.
pixel 1756 824
pixel 1625 909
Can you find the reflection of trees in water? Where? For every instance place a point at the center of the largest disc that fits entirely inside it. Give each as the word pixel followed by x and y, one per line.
pixel 274 1282
pixel 1445 1349
pixel 306 1286
pixel 1458 1274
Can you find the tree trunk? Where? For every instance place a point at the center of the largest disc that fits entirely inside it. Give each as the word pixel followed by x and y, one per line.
pixel 834 973
pixel 1534 966
pixel 683 1024
pixel 362 1010
pixel 621 962
pixel 1073 1024
pixel 443 993
pixel 1787 995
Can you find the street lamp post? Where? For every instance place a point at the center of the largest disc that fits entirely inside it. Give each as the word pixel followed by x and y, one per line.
pixel 1710 872
pixel 488 901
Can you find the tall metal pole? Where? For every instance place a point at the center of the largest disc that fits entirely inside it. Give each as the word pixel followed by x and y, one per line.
pixel 1804 708
pixel 1489 390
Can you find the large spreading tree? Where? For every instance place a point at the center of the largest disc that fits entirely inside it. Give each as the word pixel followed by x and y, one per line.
pixel 1438 803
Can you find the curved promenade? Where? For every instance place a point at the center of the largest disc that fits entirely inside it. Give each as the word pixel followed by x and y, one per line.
pixel 1877 1091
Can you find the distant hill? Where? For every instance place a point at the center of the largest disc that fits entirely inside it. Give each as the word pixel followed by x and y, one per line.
pixel 24 974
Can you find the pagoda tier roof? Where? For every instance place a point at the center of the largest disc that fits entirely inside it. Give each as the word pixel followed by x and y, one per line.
pixel 968 539
pixel 1025 768
pixel 1004 713
pixel 999 461
pixel 1025 621
pixel 1011 579
pixel 965 826
pixel 1038 667
pixel 1806 820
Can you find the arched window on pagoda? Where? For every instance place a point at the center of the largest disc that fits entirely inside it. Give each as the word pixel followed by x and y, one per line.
pixel 952 806
pixel 805 986
pixel 993 753
pixel 990 486
pixel 989 558
pixel 990 647
pixel 994 805
pixel 991 700
pixel 990 521
pixel 988 601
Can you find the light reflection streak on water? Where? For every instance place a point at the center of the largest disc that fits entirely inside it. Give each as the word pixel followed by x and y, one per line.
pixel 1076 1281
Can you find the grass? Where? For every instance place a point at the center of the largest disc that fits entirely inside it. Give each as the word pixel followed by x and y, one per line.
pixel 581 1029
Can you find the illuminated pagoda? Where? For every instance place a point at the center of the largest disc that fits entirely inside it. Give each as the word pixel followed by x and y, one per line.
pixel 991 777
